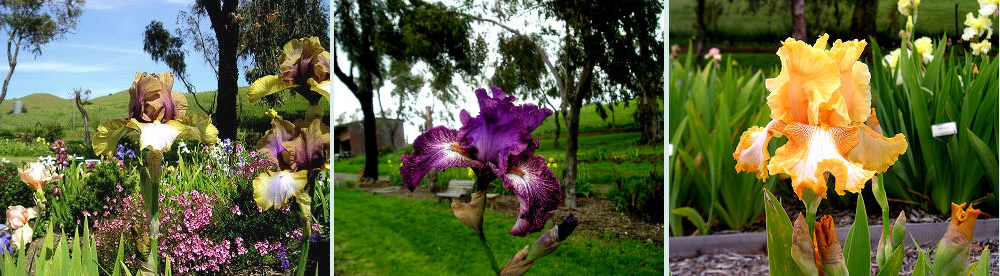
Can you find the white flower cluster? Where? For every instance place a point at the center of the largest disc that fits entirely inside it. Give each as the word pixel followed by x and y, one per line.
pixel 977 26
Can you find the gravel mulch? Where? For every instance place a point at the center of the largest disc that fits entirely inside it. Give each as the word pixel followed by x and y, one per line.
pixel 756 264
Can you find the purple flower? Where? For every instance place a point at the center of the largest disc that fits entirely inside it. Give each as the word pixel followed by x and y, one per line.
pixel 282 253
pixel 4 241
pixel 495 144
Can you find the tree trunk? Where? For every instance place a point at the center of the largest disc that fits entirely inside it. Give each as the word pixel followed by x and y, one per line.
pixel 863 23
pixel 371 144
pixel 649 114
pixel 227 35
pixel 573 131
pixel 11 61
pixel 86 123
pixel 555 142
pixel 799 20
pixel 699 48
pixel 432 177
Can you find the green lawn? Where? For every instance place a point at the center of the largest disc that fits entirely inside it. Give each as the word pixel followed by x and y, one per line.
pixel 602 158
pixel 386 235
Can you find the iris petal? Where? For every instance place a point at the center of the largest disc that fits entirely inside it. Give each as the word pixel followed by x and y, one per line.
pixel 157 136
pixel 751 154
pixel 436 148
pixel 804 89
pixel 537 190
pixel 874 151
pixel 308 150
pixel 273 189
pixel 502 129
pixel 272 145
pixel 813 150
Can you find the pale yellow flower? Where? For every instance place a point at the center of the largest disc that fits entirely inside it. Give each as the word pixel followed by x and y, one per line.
pixel 981 48
pixel 924 47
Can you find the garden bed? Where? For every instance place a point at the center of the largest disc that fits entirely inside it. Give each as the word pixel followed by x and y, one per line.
pixel 756 264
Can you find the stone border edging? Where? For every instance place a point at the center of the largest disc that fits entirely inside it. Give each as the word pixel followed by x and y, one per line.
pixel 927 234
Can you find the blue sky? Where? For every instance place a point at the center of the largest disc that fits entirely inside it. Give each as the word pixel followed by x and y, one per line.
pixel 105 51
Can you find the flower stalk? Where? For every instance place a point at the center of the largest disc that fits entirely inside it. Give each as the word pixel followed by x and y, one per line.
pixel 151 194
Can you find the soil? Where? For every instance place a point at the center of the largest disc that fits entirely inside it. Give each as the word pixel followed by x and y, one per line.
pixel 843 217
pixel 597 216
pixel 756 264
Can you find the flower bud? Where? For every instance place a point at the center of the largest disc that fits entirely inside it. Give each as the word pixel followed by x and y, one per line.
pixel 831 256
pixel 882 251
pixel 898 229
pixel 802 247
pixel 952 254
pixel 909 24
pixel 470 213
pixel 551 240
pixel 517 265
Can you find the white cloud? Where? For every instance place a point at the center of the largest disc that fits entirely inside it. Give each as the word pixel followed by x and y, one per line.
pixel 98 47
pixel 55 67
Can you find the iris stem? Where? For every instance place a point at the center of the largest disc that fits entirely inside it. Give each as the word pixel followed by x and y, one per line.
pixel 151 196
pixel 482 237
pixel 811 200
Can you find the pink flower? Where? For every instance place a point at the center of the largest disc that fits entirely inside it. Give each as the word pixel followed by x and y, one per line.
pixel 714 54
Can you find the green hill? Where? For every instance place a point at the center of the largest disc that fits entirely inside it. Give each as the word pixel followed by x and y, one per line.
pixel 46 110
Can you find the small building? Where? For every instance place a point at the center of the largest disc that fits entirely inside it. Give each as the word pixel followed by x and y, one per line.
pixel 349 138
pixel 18 107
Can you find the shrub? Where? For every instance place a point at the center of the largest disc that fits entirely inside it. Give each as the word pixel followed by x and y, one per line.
pixel 12 190
pixel 641 197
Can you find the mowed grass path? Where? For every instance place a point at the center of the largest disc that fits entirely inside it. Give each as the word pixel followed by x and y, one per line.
pixel 387 235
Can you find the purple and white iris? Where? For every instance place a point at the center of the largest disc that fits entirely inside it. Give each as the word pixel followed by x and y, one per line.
pixel 495 144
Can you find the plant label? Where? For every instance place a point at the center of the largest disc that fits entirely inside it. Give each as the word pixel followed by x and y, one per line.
pixel 670 150
pixel 948 128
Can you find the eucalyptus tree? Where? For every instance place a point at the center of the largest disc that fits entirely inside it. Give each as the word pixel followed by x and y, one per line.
pixel 601 45
pixel 32 23
pixel 371 32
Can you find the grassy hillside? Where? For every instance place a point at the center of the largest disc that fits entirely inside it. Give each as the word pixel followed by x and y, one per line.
pixel 46 110
pixel 590 121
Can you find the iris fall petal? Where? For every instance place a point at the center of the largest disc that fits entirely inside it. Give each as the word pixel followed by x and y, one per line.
pixel 273 189
pixel 537 190
pixel 813 150
pixel 436 148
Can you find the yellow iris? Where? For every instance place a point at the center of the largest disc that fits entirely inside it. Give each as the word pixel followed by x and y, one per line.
pixel 821 100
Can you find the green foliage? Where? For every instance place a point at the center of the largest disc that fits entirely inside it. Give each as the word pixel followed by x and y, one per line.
pixel 857 247
pixel 75 257
pixel 641 197
pixel 957 90
pixel 709 109
pixel 393 236
pixel 85 192
pixel 779 238
pixel 12 190
pixel 16 147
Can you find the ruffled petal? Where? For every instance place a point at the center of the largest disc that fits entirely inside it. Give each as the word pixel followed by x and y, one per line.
pixel 157 136
pixel 273 189
pixel 813 150
pixel 804 89
pixel 107 136
pixel 876 152
pixel 537 190
pixel 272 144
pixel 751 154
pixel 266 85
pixel 502 129
pixel 309 150
pixel 854 81
pixel 436 148
pixel 22 236
pixel 199 127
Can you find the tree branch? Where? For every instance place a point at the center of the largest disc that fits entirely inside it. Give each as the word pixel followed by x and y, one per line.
pixel 545 56
pixel 347 80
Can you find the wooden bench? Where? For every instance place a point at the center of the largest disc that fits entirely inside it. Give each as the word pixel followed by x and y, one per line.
pixel 492 199
pixel 457 189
